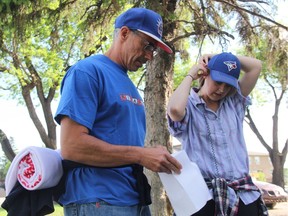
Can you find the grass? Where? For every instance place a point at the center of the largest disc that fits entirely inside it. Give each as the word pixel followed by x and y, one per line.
pixel 58 211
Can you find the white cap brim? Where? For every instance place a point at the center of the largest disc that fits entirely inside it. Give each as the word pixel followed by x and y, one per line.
pixel 160 43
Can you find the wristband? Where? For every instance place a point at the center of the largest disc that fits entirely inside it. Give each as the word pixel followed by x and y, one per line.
pixel 189 75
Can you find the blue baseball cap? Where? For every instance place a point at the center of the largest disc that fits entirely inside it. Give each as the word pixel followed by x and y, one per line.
pixel 225 67
pixel 145 21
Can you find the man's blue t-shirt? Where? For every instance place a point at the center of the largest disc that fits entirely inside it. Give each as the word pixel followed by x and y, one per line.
pixel 98 94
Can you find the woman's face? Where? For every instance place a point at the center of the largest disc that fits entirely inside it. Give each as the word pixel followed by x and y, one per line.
pixel 215 91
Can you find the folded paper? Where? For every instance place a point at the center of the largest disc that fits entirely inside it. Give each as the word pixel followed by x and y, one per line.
pixel 187 191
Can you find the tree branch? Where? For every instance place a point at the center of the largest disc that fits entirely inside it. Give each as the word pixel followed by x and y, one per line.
pixel 6 146
pixel 284 151
pixel 253 13
pixel 256 131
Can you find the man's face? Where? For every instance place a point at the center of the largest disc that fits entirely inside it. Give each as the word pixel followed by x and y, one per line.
pixel 139 48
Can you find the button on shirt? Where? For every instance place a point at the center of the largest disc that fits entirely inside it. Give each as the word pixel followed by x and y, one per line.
pixel 215 141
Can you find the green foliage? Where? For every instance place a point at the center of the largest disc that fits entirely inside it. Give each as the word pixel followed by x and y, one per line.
pixel 272 50
pixel 46 38
pixel 4 166
pixel 40 40
pixel 138 78
pixel 259 175
pixel 53 35
pixel 181 69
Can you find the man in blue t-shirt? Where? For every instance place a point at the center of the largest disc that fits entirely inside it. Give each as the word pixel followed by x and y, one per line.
pixel 103 125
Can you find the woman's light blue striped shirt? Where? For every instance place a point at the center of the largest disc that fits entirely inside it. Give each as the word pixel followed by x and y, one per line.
pixel 224 154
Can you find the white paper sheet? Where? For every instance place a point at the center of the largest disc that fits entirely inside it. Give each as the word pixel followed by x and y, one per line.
pixel 187 191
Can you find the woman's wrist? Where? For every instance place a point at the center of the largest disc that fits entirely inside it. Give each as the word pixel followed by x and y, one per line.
pixel 189 75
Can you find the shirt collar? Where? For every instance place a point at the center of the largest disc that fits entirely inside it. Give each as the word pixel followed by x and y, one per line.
pixel 196 100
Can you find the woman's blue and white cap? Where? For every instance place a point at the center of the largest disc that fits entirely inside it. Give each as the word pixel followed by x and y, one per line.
pixel 225 67
pixel 145 21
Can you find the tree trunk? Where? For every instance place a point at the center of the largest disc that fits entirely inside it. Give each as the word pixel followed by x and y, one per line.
pixel 48 138
pixel 278 159
pixel 278 172
pixel 158 88
pixel 157 91
pixel 6 146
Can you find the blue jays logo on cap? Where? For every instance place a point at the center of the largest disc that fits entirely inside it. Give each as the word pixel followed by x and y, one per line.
pixel 225 67
pixel 231 65
pixel 145 21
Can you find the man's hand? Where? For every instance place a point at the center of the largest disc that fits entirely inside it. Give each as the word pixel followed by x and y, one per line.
pixel 158 159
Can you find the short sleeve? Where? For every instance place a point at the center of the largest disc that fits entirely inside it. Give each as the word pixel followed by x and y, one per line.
pixel 79 98
pixel 176 128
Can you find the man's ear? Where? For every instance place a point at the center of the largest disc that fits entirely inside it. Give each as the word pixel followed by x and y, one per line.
pixel 124 33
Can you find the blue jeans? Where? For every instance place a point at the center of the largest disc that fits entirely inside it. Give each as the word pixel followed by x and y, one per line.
pixel 105 209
